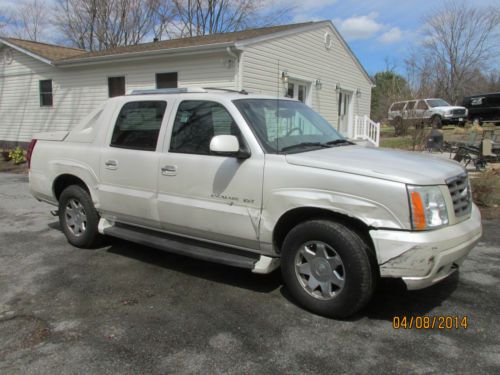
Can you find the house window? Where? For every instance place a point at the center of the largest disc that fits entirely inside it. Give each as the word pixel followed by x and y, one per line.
pixel 46 93
pixel 116 86
pixel 138 125
pixel 166 80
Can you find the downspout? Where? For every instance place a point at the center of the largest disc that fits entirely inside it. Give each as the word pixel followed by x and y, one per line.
pixel 236 67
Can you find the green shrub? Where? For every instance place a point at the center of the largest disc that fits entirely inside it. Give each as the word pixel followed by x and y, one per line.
pixel 17 155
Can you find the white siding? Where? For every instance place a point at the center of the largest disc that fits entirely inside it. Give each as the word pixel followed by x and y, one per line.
pixel 78 90
pixel 304 56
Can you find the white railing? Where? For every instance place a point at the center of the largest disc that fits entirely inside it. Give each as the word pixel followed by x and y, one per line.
pixel 366 129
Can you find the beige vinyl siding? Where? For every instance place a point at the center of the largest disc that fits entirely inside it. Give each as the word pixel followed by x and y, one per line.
pixel 78 90
pixel 304 56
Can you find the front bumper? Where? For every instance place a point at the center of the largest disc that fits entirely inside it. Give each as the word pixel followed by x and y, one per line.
pixel 422 259
pixel 454 120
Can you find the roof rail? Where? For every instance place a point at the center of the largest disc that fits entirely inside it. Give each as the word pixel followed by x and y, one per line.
pixel 167 91
pixel 227 90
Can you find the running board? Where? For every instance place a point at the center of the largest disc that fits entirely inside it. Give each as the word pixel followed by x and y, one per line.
pixel 189 247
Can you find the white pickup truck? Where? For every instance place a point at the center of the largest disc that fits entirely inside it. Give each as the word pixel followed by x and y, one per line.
pixel 257 182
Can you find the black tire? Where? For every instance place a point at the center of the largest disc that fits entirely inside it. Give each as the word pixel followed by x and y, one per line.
pixel 437 122
pixel 89 237
pixel 357 265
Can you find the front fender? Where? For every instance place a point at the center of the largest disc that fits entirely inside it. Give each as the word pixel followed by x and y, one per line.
pixel 281 201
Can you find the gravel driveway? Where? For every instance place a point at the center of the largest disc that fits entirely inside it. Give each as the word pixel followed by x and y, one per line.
pixel 128 309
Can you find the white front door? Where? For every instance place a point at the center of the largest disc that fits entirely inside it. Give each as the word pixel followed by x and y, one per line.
pixel 344 112
pixel 298 90
pixel 206 196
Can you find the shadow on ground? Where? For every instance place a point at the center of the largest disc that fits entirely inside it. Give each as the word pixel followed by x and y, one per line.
pixel 390 298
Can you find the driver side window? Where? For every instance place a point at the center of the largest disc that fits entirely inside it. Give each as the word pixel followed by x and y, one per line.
pixel 197 122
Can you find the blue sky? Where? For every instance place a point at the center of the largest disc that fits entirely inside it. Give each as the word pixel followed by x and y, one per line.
pixel 376 30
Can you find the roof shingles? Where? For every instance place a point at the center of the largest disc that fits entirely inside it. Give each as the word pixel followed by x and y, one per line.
pixel 56 53
pixel 48 51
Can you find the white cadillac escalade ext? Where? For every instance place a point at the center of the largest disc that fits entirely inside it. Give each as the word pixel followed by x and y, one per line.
pixel 259 183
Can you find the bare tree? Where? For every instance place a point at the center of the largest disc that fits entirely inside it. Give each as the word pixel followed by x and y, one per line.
pixel 100 24
pixel 203 17
pixel 459 40
pixel 28 20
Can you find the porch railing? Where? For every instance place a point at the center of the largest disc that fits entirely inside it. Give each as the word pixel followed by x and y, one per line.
pixel 366 129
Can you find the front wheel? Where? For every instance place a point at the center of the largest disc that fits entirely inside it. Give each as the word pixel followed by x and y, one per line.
pixel 78 217
pixel 437 122
pixel 327 268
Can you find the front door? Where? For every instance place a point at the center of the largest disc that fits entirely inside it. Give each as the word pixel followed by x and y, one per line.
pixel 209 197
pixel 344 112
pixel 129 164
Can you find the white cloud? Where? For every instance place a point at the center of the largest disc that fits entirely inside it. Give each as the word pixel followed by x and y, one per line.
pixel 359 27
pixel 391 36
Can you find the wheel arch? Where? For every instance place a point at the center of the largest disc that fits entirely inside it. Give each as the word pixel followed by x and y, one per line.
pixel 64 180
pixel 295 216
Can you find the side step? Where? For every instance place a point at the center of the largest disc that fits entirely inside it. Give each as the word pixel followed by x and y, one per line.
pixel 185 246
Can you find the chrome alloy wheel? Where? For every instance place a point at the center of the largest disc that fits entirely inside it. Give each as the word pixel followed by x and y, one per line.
pixel 320 270
pixel 76 218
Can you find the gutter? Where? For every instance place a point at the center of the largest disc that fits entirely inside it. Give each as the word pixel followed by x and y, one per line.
pixel 25 51
pixel 191 50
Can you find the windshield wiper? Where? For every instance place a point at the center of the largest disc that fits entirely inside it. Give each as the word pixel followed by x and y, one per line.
pixel 339 142
pixel 304 144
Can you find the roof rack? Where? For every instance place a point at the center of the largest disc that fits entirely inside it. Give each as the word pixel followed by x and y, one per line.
pixel 167 91
pixel 244 92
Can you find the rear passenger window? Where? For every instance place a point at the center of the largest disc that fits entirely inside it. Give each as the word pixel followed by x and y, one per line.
pixel 397 106
pixel 421 105
pixel 410 105
pixel 196 123
pixel 138 125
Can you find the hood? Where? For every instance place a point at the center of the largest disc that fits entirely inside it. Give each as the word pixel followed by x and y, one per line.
pixel 394 165
pixel 448 107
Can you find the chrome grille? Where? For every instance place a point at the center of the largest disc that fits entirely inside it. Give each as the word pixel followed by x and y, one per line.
pixel 460 194
pixel 458 112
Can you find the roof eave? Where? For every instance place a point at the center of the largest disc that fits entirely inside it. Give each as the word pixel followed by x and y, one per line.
pixel 141 54
pixel 356 60
pixel 278 34
pixel 25 51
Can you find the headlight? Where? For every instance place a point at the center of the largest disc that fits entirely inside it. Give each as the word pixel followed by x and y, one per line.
pixel 428 207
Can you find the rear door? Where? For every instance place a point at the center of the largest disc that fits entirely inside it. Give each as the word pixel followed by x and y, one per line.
pixel 129 163
pixel 210 197
pixel 421 110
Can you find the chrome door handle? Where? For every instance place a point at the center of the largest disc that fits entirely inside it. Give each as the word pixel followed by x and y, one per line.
pixel 111 164
pixel 169 170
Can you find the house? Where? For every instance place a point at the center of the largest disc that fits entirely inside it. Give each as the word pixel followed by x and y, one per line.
pixel 46 87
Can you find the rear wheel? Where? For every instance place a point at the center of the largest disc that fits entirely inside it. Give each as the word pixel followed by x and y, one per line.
pixel 327 268
pixel 78 217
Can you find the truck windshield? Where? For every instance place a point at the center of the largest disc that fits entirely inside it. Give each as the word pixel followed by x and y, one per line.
pixel 286 126
pixel 438 103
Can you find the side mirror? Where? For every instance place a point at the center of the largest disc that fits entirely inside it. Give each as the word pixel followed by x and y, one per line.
pixel 227 145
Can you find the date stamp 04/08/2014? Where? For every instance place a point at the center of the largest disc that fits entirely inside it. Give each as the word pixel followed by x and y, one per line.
pixel 441 322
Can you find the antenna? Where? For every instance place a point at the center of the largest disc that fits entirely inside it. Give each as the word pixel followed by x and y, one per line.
pixel 277 107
